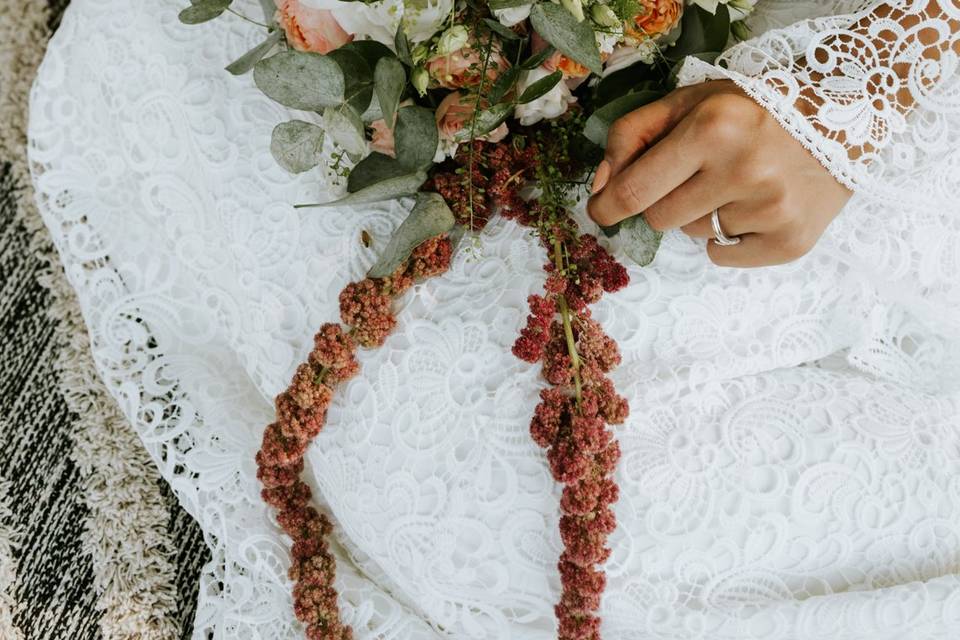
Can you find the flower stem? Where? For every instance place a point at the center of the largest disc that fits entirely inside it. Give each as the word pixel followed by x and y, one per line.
pixel 567 324
pixel 250 20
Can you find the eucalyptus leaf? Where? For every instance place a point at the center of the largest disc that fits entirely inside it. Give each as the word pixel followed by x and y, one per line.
pixel 358 78
pixel 375 168
pixel 416 137
pixel 269 8
pixel 402 45
pixel 701 32
pixel 203 10
pixel 390 189
pixel 573 39
pixel 370 50
pixel 306 81
pixel 245 62
pixel 637 77
pixel 497 5
pixel 430 217
pixel 612 230
pixel 502 31
pixel 373 112
pixel 640 240
pixel 389 81
pixel 297 146
pixel 344 125
pixel 598 124
pixel 538 58
pixel 504 83
pixel 486 121
pixel 540 87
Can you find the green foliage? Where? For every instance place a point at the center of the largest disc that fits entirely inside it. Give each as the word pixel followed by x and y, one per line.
pixel 389 81
pixel 416 137
pixel 540 87
pixel 573 39
pixel 598 124
pixel 486 121
pixel 389 189
pixel 640 241
pixel 203 10
pixel 430 217
pixel 375 168
pixel 296 145
pixel 305 81
pixel 701 32
pixel 245 63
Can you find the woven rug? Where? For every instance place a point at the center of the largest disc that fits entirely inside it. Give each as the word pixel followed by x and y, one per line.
pixel 92 543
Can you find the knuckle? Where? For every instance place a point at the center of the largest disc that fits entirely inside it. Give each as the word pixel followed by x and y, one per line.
pixel 719 118
pixel 626 196
pixel 656 219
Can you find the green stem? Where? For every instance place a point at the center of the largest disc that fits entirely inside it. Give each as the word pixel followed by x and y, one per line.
pixel 473 124
pixel 251 21
pixel 568 325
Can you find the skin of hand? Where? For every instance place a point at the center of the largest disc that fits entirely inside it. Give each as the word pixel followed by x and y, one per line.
pixel 711 146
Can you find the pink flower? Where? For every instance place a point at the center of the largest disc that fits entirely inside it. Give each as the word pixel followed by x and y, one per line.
pixel 453 115
pixel 382 139
pixel 462 68
pixel 310 29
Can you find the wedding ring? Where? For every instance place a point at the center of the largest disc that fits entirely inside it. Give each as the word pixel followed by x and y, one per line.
pixel 720 237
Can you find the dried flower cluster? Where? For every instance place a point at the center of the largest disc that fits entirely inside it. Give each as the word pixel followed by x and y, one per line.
pixel 301 412
pixel 484 178
pixel 573 417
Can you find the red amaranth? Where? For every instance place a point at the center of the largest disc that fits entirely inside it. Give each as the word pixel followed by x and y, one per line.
pixel 581 449
pixel 301 412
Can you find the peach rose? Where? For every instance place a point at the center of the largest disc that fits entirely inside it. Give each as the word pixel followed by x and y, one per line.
pixel 657 18
pixel 310 29
pixel 382 138
pixel 453 115
pixel 461 68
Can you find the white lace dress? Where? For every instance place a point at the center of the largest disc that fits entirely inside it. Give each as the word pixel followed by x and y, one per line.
pixel 791 465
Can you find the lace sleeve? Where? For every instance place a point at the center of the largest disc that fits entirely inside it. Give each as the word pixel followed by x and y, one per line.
pixel 874 94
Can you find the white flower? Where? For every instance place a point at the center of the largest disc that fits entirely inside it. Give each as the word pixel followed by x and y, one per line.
pixel 453 39
pixel 513 15
pixel 552 104
pixel 623 57
pixel 379 20
pixel 739 9
pixel 376 21
pixel 575 7
pixel 423 18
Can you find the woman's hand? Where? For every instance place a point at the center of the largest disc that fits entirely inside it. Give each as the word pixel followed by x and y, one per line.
pixel 707 147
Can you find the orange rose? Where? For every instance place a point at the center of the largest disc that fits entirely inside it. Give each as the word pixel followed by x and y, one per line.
pixel 657 18
pixel 570 68
pixel 461 68
pixel 310 29
pixel 452 116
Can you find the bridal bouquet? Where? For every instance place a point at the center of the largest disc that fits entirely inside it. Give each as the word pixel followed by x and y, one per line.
pixel 475 108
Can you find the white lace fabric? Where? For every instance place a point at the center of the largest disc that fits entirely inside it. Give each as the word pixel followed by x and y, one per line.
pixel 791 466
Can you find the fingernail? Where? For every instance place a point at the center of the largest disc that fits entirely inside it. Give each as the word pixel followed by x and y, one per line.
pixel 601 177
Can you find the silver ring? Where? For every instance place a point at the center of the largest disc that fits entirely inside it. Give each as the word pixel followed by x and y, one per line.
pixel 720 237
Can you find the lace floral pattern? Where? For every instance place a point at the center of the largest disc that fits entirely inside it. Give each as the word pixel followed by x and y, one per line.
pixel 762 497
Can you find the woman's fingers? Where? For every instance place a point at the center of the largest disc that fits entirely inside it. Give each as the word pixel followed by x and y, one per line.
pixel 639 130
pixel 692 200
pixel 736 219
pixel 759 250
pixel 667 165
